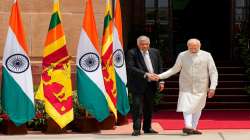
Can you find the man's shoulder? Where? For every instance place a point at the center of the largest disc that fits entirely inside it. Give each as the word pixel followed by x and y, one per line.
pixel 132 50
pixel 154 50
pixel 204 52
pixel 183 53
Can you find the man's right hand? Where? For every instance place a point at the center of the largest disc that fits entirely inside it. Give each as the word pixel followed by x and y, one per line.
pixel 211 93
pixel 152 77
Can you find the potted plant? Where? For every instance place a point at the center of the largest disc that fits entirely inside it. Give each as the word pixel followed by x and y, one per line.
pixel 10 128
pixel 3 117
pixel 38 123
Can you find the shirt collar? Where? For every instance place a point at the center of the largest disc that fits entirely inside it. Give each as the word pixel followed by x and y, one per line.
pixel 144 52
pixel 195 54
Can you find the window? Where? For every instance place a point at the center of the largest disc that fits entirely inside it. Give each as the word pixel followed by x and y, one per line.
pixel 157 23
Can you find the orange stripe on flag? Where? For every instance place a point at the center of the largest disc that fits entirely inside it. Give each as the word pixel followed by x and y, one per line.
pixel 17 27
pixel 54 34
pixel 118 20
pixel 89 25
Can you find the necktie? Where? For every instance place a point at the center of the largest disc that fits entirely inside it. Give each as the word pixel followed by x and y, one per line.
pixel 148 62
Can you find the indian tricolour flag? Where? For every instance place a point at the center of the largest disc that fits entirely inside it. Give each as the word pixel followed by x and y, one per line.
pixel 119 62
pixel 90 85
pixel 17 87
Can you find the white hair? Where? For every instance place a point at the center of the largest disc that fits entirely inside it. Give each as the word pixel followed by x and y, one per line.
pixel 193 40
pixel 142 38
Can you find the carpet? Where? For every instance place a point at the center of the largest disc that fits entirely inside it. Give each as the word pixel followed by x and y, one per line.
pixel 170 120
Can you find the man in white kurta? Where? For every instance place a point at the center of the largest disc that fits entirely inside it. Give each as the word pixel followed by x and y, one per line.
pixel 197 70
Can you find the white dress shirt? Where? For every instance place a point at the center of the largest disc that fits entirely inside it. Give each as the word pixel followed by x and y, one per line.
pixel 147 61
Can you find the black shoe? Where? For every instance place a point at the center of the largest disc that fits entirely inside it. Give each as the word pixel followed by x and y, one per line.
pixel 151 131
pixel 136 133
pixel 187 131
pixel 196 132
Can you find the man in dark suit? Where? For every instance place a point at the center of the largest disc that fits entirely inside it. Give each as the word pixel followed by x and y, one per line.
pixel 143 65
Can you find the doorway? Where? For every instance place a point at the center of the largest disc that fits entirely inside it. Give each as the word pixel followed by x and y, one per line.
pixel 207 20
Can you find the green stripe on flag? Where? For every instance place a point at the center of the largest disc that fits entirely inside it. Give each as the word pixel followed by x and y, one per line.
pixel 55 20
pixel 15 103
pixel 122 98
pixel 107 19
pixel 91 97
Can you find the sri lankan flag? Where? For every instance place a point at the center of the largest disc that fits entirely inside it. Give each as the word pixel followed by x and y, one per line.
pixel 17 86
pixel 107 60
pixel 55 88
pixel 119 62
pixel 90 86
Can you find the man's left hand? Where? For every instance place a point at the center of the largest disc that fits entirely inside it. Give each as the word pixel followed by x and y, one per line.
pixel 211 93
pixel 161 87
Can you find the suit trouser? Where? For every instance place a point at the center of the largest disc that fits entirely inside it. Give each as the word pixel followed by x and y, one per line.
pixel 191 119
pixel 142 103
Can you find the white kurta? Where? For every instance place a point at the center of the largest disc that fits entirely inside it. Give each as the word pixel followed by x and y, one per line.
pixel 195 72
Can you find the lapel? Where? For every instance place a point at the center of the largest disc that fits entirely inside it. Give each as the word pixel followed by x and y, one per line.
pixel 141 60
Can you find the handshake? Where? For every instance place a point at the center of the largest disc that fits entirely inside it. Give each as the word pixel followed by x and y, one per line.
pixel 152 77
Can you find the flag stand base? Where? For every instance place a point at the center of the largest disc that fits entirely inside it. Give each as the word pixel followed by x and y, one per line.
pixel 85 125
pixel 108 123
pixel 53 127
pixel 10 128
pixel 1 127
pixel 121 120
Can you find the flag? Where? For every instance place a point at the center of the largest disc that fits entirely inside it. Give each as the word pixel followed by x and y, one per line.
pixel 90 85
pixel 119 63
pixel 55 87
pixel 107 60
pixel 17 86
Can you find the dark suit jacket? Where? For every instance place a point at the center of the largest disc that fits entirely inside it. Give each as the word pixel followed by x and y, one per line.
pixel 136 69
